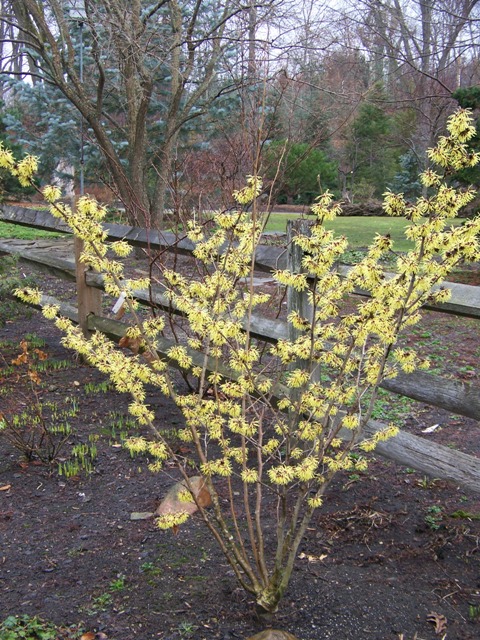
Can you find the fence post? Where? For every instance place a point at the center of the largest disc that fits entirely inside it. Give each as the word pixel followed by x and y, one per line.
pixel 298 300
pixel 89 299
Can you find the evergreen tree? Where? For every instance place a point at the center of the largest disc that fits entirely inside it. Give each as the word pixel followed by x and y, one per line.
pixel 305 172
pixel 370 154
pixel 406 180
pixel 10 188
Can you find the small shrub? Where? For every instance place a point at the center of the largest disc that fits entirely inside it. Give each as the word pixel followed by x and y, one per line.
pixel 434 517
pixel 272 432
pixel 42 430
pixel 10 279
pixel 24 627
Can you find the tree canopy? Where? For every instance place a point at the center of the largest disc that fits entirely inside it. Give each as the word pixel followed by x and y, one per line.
pixel 179 99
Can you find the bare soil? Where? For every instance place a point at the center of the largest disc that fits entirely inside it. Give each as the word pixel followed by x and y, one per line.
pixel 392 555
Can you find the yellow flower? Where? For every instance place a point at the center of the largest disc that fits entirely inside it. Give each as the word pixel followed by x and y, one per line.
pixel 51 193
pixel 121 248
pixel 350 421
pixel 315 502
pixel 249 475
pixel 220 467
pixel 7 161
pixel 170 520
pixel 271 446
pixel 281 475
pixel 158 450
pixel 29 295
pixel 50 311
pixel 306 469
pixel 250 192
pixel 136 445
pixel 26 169
pixel 323 207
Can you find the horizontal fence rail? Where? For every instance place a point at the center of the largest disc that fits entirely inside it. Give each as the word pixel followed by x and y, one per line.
pixel 465 299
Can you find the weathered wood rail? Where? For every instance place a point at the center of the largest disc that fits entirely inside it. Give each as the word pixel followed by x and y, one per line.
pixel 465 299
pixel 454 396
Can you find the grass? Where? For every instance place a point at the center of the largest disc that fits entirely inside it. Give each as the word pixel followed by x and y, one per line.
pixel 11 230
pixel 393 408
pixel 360 230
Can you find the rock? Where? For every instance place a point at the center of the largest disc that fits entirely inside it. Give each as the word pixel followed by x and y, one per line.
pixel 141 515
pixel 172 503
pixel 272 634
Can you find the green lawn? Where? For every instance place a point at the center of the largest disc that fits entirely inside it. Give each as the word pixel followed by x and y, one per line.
pixel 360 230
pixel 9 230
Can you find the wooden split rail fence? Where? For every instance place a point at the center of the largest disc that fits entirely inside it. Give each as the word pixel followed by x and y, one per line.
pixel 419 453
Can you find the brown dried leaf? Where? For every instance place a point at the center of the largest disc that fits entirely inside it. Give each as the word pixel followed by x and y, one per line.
pixel 5 487
pixel 130 343
pixel 22 359
pixel 41 354
pixel 438 620
pixel 88 636
pixel 34 377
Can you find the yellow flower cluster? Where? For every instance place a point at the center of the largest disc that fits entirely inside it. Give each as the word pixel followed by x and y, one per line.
pixel 248 194
pixel 171 520
pixel 249 476
pixel 380 436
pixel 219 467
pixel 29 295
pixel 451 151
pixel 51 193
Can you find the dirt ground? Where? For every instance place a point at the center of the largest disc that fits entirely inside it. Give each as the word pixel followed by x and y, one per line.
pixel 392 555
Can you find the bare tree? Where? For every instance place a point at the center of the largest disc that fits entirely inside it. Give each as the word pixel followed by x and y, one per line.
pixel 418 49
pixel 149 71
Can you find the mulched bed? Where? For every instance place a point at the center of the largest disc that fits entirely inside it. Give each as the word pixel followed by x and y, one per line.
pixel 392 555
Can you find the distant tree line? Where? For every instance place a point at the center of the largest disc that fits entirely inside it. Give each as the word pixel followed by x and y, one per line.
pixel 170 104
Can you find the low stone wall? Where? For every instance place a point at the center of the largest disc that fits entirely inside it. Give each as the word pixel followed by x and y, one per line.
pixel 373 208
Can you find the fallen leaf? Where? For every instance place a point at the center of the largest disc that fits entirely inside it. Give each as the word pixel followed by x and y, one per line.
pixel 130 343
pixel 22 359
pixel 5 487
pixel 438 620
pixel 431 429
pixel 183 450
pixel 34 377
pixel 41 354
pixel 88 636
pixel 306 556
